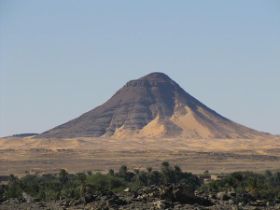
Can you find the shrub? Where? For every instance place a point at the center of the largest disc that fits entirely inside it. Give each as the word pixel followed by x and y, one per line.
pixel 262 186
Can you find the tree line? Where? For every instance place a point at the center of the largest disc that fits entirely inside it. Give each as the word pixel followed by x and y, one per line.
pixel 67 185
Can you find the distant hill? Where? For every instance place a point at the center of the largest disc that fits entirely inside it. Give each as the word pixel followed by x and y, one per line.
pixel 152 106
pixel 24 134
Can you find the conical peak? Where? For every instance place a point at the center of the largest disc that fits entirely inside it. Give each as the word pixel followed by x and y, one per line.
pixel 147 105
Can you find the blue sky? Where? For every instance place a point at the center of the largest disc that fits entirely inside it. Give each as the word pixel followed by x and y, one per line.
pixel 59 59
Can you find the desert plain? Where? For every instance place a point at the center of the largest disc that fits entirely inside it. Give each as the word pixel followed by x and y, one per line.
pixel 32 155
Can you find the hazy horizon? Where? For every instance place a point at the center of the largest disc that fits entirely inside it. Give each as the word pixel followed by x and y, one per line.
pixel 61 59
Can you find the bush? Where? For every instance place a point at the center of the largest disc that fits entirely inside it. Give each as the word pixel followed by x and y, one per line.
pixel 101 182
pixel 65 185
pixel 261 186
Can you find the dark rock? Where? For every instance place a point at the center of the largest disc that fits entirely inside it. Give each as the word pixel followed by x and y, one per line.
pixel 41 204
pixel 258 203
pixel 64 203
pixel 166 192
pixel 110 199
pixel 88 198
pixel 183 194
pixel 244 198
pixel 231 194
pixel 204 201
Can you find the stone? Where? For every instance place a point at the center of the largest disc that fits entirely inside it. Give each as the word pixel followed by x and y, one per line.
pixel 222 196
pixel 27 198
pixel 230 202
pixel 126 189
pixel 183 195
pixel 161 204
pixel 88 198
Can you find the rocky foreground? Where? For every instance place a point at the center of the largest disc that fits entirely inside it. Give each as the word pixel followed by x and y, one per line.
pixel 154 197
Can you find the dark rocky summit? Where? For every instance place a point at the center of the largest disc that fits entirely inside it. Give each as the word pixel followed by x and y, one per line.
pixel 152 106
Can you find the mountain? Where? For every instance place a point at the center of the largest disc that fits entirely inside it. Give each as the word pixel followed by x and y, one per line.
pixel 150 107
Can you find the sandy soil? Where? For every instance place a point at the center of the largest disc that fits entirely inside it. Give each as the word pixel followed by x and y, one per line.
pixel 18 155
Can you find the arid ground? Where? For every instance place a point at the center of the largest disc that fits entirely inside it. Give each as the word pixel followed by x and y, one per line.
pixel 19 155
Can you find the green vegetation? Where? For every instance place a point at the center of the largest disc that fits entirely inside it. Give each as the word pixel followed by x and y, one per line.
pixel 260 186
pixel 65 185
pixel 74 186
